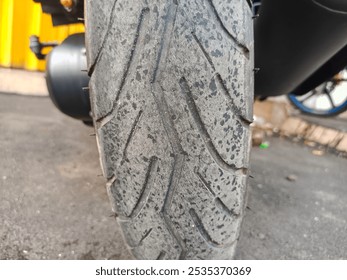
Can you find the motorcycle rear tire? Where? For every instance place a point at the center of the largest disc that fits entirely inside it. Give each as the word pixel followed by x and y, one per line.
pixel 171 94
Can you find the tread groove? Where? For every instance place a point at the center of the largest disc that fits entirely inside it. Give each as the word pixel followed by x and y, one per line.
pixel 225 209
pixel 203 131
pixel 220 204
pixel 131 134
pixel 139 243
pixel 161 255
pixel 173 184
pixel 164 47
pixel 146 189
pixel 104 39
pixel 144 237
pixel 239 46
pixel 237 112
pixel 205 235
pixel 207 56
pixel 133 51
pixel 163 109
pixel 205 183
pixel 158 94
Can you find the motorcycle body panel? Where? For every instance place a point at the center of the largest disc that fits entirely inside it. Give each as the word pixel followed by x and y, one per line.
pixel 294 39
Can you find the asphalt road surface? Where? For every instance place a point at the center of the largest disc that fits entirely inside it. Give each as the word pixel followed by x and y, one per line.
pixel 53 203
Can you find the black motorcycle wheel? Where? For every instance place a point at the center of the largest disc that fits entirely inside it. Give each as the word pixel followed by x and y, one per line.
pixel 171 94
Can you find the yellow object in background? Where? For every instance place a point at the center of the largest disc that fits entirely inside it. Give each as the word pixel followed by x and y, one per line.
pixel 19 19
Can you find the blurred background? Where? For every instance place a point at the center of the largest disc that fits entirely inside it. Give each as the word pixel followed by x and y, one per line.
pixel 19 19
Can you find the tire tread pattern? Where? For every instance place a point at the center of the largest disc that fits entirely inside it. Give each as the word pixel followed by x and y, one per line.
pixel 166 194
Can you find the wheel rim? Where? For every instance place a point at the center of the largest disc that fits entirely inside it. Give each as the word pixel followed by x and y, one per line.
pixel 330 98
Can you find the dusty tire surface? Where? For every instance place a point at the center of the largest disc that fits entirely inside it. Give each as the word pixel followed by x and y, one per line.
pixel 172 93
